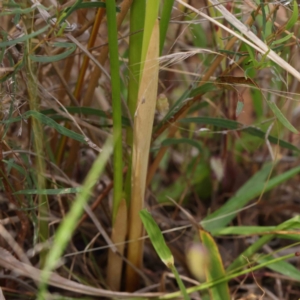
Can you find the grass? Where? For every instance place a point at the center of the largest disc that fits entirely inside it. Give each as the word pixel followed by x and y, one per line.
pixel 177 119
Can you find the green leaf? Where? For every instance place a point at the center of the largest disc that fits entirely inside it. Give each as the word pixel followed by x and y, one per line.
pixel 49 59
pixel 292 21
pixel 207 87
pixel 49 191
pixel 170 142
pixel 281 267
pixel 253 248
pixel 242 230
pixel 88 111
pixel 51 123
pixel 24 11
pixel 157 238
pixel 69 222
pixel 216 268
pixel 23 38
pixel 164 22
pixel 284 121
pixel 233 125
pixel 282 40
pixel 253 188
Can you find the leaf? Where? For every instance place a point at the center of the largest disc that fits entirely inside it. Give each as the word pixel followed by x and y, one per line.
pixel 157 238
pixel 281 117
pixel 170 142
pixel 49 191
pixel 242 230
pixel 282 40
pixel 50 59
pixel 23 38
pixel 161 247
pixel 88 111
pixel 281 267
pixel 215 269
pixel 233 125
pixel 292 21
pixel 165 21
pixel 206 87
pixel 59 128
pixel 253 248
pixel 251 189
pixel 69 222
pixel 23 11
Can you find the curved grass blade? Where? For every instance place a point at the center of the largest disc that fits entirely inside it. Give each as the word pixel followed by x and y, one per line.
pixel 59 128
pixel 281 267
pixel 284 121
pixel 233 125
pixel 157 238
pixel 215 269
pixel 226 278
pixel 251 250
pixel 50 191
pixel 68 224
pixel 164 22
pixel 292 21
pixel 170 142
pixel 23 38
pixel 54 58
pixel 88 111
pixel 249 191
pixel 161 247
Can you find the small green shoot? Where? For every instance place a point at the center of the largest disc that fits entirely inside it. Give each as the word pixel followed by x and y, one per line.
pixel 161 247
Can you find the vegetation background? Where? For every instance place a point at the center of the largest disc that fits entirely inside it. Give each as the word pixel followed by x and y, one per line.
pixel 149 149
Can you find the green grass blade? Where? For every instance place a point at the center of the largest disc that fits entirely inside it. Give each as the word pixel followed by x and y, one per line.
pixel 49 191
pixel 230 124
pixel 50 59
pixel 23 38
pixel 180 283
pixel 292 21
pixel 171 142
pixel 208 285
pixel 215 270
pixel 251 250
pixel 68 224
pixel 284 121
pixel 249 191
pixel 161 247
pixel 51 123
pixel 164 22
pixel 157 238
pixel 282 40
pixel 88 111
pixel 281 267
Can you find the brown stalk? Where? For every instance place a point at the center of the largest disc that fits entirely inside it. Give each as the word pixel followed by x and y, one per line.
pixel 74 150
